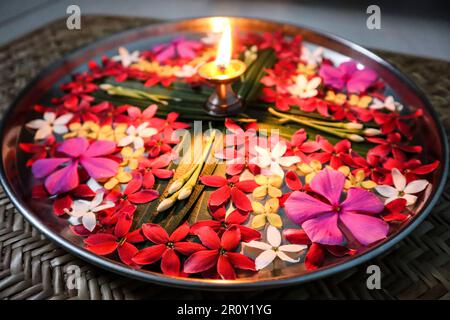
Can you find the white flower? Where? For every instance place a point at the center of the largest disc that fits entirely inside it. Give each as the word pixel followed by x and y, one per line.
pixel 401 190
pixel 303 88
pixel 49 124
pixel 84 211
pixel 312 59
pixel 136 136
pixel 389 103
pixel 186 71
pixel 125 57
pixel 273 249
pixel 271 162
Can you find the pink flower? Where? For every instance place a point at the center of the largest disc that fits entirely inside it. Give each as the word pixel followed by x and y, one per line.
pixel 78 152
pixel 347 75
pixel 321 219
pixel 178 47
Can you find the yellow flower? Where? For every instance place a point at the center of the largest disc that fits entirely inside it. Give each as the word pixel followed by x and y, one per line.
pixel 88 129
pixel 91 130
pixel 358 181
pixel 268 186
pixel 307 70
pixel 131 157
pixel 120 131
pixel 338 99
pixel 106 132
pixel 309 170
pixel 154 66
pixel 360 102
pixel 206 56
pixel 266 213
pixel 121 177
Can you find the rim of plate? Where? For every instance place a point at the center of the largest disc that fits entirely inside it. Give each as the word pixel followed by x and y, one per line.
pixel 240 283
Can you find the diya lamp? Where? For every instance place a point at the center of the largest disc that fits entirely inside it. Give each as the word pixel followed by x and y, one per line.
pixel 222 73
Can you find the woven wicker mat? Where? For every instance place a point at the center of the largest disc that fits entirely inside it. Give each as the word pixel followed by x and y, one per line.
pixel 32 267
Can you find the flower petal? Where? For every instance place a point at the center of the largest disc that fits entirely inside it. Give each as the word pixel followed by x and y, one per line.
pixel 213 181
pixel 43 167
pixel 259 245
pixel 143 196
pixel 324 229
pixel 386 191
pixel 63 180
pixel 329 183
pixel 399 179
pixel 366 229
pixel 300 207
pixel 208 237
pixel 314 257
pixel 155 233
pixel 231 238
pixel 240 200
pixel 188 248
pixel 170 263
pixel 225 269
pixel 101 243
pixel 283 256
pixel 180 233
pixel 240 261
pixel 292 247
pixel 100 148
pixel 273 236
pixel 99 168
pixel 288 161
pixel 126 252
pixel 363 201
pixel 297 236
pixel 219 196
pixel 416 186
pixel 74 147
pixel 149 255
pixel 201 261
pixel 264 259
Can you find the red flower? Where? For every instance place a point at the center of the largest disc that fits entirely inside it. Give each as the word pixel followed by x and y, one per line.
pixel 392 145
pixel 314 104
pixel 371 166
pixel 159 144
pixel 155 167
pixel 133 192
pixel 411 169
pixel 332 153
pixel 83 111
pixel 229 188
pixel 395 211
pixel 121 240
pixel 166 247
pixel 137 116
pixel 389 122
pixel 315 257
pixel 39 151
pixel 219 255
pixel 239 146
pixel 223 222
pixel 341 112
pixel 168 125
pixel 299 145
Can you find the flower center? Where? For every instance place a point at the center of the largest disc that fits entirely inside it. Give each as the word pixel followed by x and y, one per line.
pixel 122 241
pixel 336 208
pixel 222 251
pixel 170 245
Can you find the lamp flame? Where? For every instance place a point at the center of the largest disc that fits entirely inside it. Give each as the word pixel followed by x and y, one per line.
pixel 224 48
